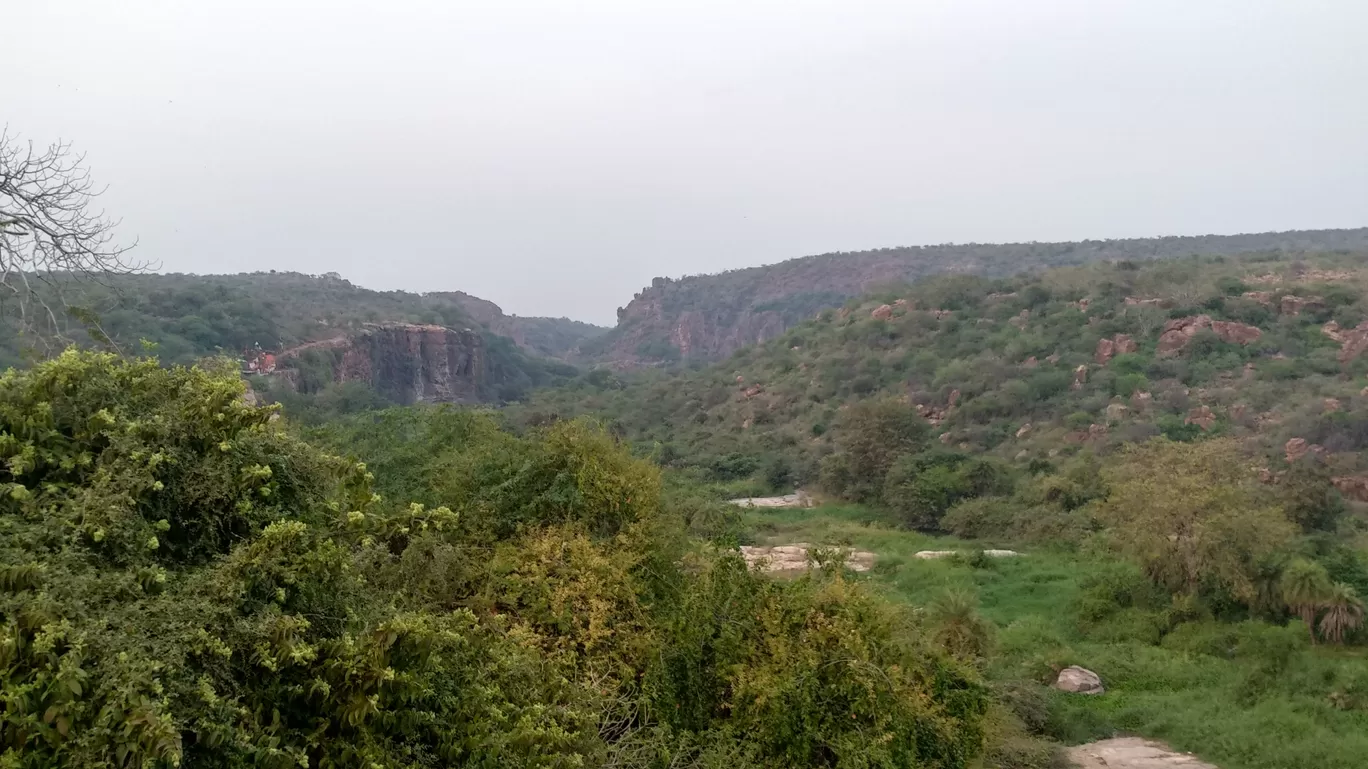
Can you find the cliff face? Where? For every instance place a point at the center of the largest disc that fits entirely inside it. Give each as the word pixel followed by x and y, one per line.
pixel 707 317
pixel 409 363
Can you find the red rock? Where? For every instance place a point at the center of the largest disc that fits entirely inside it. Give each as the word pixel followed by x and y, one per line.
pixel 1353 487
pixel 1024 430
pixel 1030 362
pixel 1104 352
pixel 753 391
pixel 1179 331
pixel 1332 404
pixel 882 312
pixel 1353 342
pixel 1296 448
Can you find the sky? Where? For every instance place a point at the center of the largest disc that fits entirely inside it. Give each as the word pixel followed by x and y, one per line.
pixel 555 156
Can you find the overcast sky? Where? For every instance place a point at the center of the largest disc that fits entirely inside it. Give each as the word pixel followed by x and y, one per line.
pixel 555 156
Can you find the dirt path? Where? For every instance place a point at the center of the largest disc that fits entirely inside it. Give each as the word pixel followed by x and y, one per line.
pixel 1132 753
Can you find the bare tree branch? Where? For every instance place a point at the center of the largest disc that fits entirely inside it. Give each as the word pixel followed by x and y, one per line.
pixel 51 237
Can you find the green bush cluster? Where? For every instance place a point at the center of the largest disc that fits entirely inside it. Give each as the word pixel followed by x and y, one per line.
pixel 184 582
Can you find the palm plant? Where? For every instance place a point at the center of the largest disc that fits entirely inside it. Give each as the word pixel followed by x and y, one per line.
pixel 1304 587
pixel 1343 612
pixel 959 628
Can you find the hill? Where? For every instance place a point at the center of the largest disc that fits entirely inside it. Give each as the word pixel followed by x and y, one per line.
pixel 191 316
pixel 1024 369
pixel 707 317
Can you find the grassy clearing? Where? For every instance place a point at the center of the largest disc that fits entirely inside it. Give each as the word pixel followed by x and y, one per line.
pixel 1242 695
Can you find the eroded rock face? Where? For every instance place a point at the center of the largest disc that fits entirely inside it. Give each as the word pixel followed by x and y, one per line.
pixel 1353 341
pixel 1179 332
pixel 1079 681
pixel 411 363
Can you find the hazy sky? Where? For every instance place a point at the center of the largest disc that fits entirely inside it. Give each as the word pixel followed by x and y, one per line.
pixel 555 156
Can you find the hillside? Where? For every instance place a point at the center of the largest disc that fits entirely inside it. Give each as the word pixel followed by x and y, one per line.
pixel 707 317
pixel 551 337
pixel 189 316
pixel 1026 369
pixel 308 320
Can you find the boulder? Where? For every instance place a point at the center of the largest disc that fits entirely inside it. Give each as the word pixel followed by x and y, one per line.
pixel 1080 378
pixel 1264 298
pixel 1202 416
pixel 1332 404
pixel 1296 448
pixel 1021 319
pixel 1079 681
pixel 1352 487
pixel 1353 341
pixel 882 312
pixel 1132 301
pixel 1179 331
pixel 1030 362
pixel 1052 357
pixel 1105 350
pixel 1024 430
pixel 1116 412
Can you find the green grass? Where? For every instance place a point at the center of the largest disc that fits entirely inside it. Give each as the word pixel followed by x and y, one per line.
pixel 1313 714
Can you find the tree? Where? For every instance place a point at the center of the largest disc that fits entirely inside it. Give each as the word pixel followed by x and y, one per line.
pixel 50 235
pixel 871 435
pixel 1343 612
pixel 1305 587
pixel 1189 514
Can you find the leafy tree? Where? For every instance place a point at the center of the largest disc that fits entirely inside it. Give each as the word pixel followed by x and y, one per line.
pixel 1189 515
pixel 872 434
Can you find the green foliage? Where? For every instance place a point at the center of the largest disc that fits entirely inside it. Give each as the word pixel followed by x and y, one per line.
pixel 184 582
pixel 870 436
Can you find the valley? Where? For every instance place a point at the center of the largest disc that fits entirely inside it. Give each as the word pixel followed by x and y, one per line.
pixel 877 537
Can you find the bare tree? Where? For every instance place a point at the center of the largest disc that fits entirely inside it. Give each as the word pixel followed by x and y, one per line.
pixel 51 236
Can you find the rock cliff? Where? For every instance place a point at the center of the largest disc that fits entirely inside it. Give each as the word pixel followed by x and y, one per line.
pixel 409 363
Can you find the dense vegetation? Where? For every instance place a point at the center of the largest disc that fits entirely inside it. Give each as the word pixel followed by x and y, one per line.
pixel 707 317
pixel 1007 370
pixel 183 581
pixel 189 316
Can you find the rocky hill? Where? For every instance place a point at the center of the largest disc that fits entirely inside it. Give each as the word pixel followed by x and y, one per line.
pixel 707 317
pixel 189 316
pixel 1029 369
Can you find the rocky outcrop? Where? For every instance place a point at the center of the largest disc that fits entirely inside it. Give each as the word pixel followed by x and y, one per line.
pixel 1179 332
pixel 1353 341
pixel 1353 487
pixel 411 363
pixel 882 312
pixel 1079 681
pixel 1120 344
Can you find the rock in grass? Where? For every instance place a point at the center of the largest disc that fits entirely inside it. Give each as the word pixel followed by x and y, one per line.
pixel 1079 681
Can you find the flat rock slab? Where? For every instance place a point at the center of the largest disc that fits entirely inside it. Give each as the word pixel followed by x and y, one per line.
pixel 788 500
pixel 1132 753
pixel 794 558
